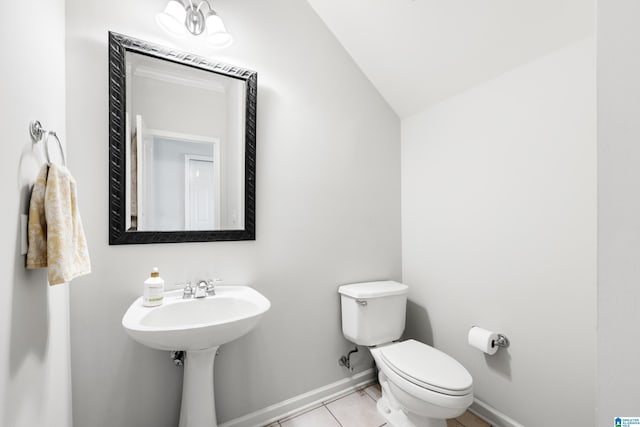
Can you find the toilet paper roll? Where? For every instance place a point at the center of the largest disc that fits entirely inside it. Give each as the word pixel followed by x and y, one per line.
pixel 483 340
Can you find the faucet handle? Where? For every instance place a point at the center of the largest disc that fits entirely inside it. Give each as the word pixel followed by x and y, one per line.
pixel 188 291
pixel 211 286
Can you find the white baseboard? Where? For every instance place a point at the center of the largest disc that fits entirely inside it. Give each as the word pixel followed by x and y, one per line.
pixel 492 415
pixel 304 401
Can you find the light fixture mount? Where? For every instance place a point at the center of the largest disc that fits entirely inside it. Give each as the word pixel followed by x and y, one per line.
pixel 195 21
pixel 182 17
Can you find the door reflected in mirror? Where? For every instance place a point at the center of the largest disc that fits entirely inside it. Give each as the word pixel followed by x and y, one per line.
pixel 184 161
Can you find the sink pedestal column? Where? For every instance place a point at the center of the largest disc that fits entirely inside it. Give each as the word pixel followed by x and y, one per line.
pixel 198 408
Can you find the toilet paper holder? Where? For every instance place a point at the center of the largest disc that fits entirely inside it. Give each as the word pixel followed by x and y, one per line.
pixel 502 341
pixel 486 340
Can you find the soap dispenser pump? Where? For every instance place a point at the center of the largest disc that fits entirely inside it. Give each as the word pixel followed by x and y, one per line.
pixel 153 294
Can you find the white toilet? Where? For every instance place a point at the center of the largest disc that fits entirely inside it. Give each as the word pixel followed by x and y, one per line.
pixel 421 386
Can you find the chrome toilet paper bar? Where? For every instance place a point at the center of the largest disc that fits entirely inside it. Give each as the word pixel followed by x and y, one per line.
pixel 502 341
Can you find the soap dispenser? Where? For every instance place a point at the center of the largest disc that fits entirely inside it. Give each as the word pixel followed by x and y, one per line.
pixel 153 294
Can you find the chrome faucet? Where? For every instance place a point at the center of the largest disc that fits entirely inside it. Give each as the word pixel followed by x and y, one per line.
pixel 201 289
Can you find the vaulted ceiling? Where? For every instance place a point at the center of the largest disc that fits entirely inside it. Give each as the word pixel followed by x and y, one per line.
pixel 420 52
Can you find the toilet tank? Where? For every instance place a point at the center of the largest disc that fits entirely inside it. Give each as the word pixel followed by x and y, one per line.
pixel 373 313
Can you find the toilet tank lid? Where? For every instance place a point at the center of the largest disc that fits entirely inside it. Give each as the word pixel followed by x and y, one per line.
pixel 378 289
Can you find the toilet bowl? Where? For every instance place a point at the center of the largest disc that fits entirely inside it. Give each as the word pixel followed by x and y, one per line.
pixel 426 384
pixel 421 386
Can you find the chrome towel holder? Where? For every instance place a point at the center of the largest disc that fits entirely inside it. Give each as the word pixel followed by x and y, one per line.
pixel 38 133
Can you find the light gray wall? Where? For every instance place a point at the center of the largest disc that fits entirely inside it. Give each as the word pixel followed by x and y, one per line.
pixel 35 382
pixel 328 213
pixel 618 209
pixel 499 231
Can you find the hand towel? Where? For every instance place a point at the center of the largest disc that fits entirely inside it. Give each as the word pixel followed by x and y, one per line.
pixel 56 235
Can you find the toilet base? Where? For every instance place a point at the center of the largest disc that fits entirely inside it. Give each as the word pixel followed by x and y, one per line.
pixel 420 421
pixel 398 418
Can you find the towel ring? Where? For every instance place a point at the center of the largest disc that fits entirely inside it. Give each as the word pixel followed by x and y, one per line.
pixel 38 133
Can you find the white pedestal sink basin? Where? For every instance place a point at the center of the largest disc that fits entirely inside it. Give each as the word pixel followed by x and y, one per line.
pixel 198 326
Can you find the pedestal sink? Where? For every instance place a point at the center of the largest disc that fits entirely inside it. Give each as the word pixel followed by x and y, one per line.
pixel 198 326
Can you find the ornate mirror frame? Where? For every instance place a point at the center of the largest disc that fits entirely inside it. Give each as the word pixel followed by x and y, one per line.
pixel 118 46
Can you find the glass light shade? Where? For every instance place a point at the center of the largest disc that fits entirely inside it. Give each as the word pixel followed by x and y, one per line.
pixel 172 19
pixel 217 33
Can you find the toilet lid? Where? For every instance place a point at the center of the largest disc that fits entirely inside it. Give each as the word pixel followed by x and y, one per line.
pixel 427 367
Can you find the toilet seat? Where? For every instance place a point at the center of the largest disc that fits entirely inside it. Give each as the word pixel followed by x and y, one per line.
pixel 427 367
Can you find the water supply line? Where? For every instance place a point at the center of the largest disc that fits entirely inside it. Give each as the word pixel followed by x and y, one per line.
pixel 177 357
pixel 346 360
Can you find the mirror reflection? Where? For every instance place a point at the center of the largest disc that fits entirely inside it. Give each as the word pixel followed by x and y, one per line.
pixel 185 147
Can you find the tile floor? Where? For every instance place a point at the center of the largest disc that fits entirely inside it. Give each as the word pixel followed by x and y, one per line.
pixel 357 409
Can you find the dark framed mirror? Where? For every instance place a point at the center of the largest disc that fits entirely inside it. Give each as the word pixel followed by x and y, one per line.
pixel 182 146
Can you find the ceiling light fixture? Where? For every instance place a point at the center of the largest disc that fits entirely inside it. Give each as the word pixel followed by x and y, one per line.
pixel 181 19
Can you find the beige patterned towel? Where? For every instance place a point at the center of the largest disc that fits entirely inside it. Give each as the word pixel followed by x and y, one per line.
pixel 56 236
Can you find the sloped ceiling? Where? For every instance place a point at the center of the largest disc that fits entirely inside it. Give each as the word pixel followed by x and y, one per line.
pixel 419 52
